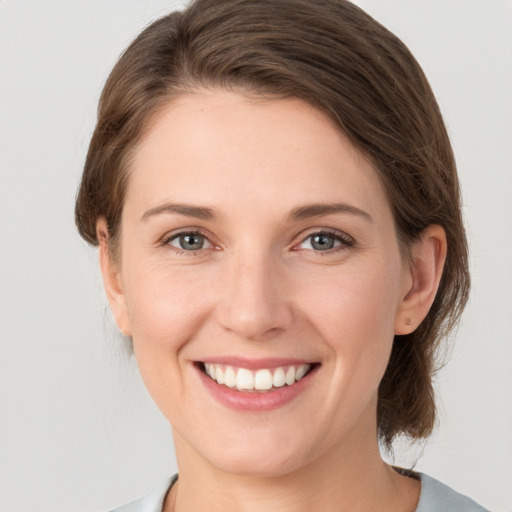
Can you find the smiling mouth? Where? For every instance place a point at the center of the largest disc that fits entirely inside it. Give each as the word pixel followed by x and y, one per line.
pixel 262 380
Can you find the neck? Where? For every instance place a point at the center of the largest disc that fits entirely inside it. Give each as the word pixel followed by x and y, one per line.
pixel 345 478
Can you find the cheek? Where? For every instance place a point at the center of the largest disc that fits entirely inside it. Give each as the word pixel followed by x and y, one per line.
pixel 359 296
pixel 165 306
pixel 353 310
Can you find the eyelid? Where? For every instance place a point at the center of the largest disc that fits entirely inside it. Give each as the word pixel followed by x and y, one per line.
pixel 179 235
pixel 168 237
pixel 347 242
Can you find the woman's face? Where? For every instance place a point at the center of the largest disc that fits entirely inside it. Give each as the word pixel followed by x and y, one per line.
pixel 258 244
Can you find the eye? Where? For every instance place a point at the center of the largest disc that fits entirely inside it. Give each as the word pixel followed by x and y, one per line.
pixel 325 241
pixel 192 241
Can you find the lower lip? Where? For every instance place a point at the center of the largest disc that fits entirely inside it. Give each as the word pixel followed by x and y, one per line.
pixel 255 401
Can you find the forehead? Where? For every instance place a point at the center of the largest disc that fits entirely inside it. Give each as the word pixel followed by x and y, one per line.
pixel 216 147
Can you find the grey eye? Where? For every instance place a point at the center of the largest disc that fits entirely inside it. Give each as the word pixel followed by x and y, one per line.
pixel 321 242
pixel 190 242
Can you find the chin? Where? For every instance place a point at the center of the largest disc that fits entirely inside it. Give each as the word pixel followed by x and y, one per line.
pixel 270 459
pixel 258 466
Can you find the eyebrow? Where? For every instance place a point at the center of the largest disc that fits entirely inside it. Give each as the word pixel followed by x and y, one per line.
pixel 198 212
pixel 318 209
pixel 297 214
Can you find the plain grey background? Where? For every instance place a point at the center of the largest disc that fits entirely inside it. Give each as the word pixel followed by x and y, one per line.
pixel 78 430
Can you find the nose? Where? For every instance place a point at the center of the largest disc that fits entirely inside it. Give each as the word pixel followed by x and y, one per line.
pixel 254 304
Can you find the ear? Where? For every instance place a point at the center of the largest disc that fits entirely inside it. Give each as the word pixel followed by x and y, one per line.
pixel 428 255
pixel 112 281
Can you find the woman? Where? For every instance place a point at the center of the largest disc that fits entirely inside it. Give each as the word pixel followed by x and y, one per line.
pixel 276 205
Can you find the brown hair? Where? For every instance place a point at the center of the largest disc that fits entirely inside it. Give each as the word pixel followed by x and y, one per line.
pixel 337 58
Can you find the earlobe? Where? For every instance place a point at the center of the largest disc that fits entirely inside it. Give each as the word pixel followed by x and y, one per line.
pixel 428 256
pixel 112 279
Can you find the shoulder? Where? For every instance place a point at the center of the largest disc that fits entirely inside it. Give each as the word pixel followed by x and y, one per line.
pixel 152 502
pixel 437 497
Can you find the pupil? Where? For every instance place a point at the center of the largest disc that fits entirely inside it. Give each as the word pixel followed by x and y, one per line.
pixel 323 242
pixel 191 242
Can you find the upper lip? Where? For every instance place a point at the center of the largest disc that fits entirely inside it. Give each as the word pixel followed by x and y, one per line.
pixel 254 364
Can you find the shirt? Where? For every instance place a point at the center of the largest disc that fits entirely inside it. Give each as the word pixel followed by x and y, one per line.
pixel 434 497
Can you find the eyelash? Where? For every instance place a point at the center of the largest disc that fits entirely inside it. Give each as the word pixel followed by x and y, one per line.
pixel 346 242
pixel 181 252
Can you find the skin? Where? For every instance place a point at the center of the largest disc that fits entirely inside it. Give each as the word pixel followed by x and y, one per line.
pixel 258 288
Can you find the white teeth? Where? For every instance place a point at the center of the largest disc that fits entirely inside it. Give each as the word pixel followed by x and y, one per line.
pixel 230 377
pixel 244 379
pixel 260 380
pixel 279 379
pixel 219 375
pixel 290 376
pixel 301 371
